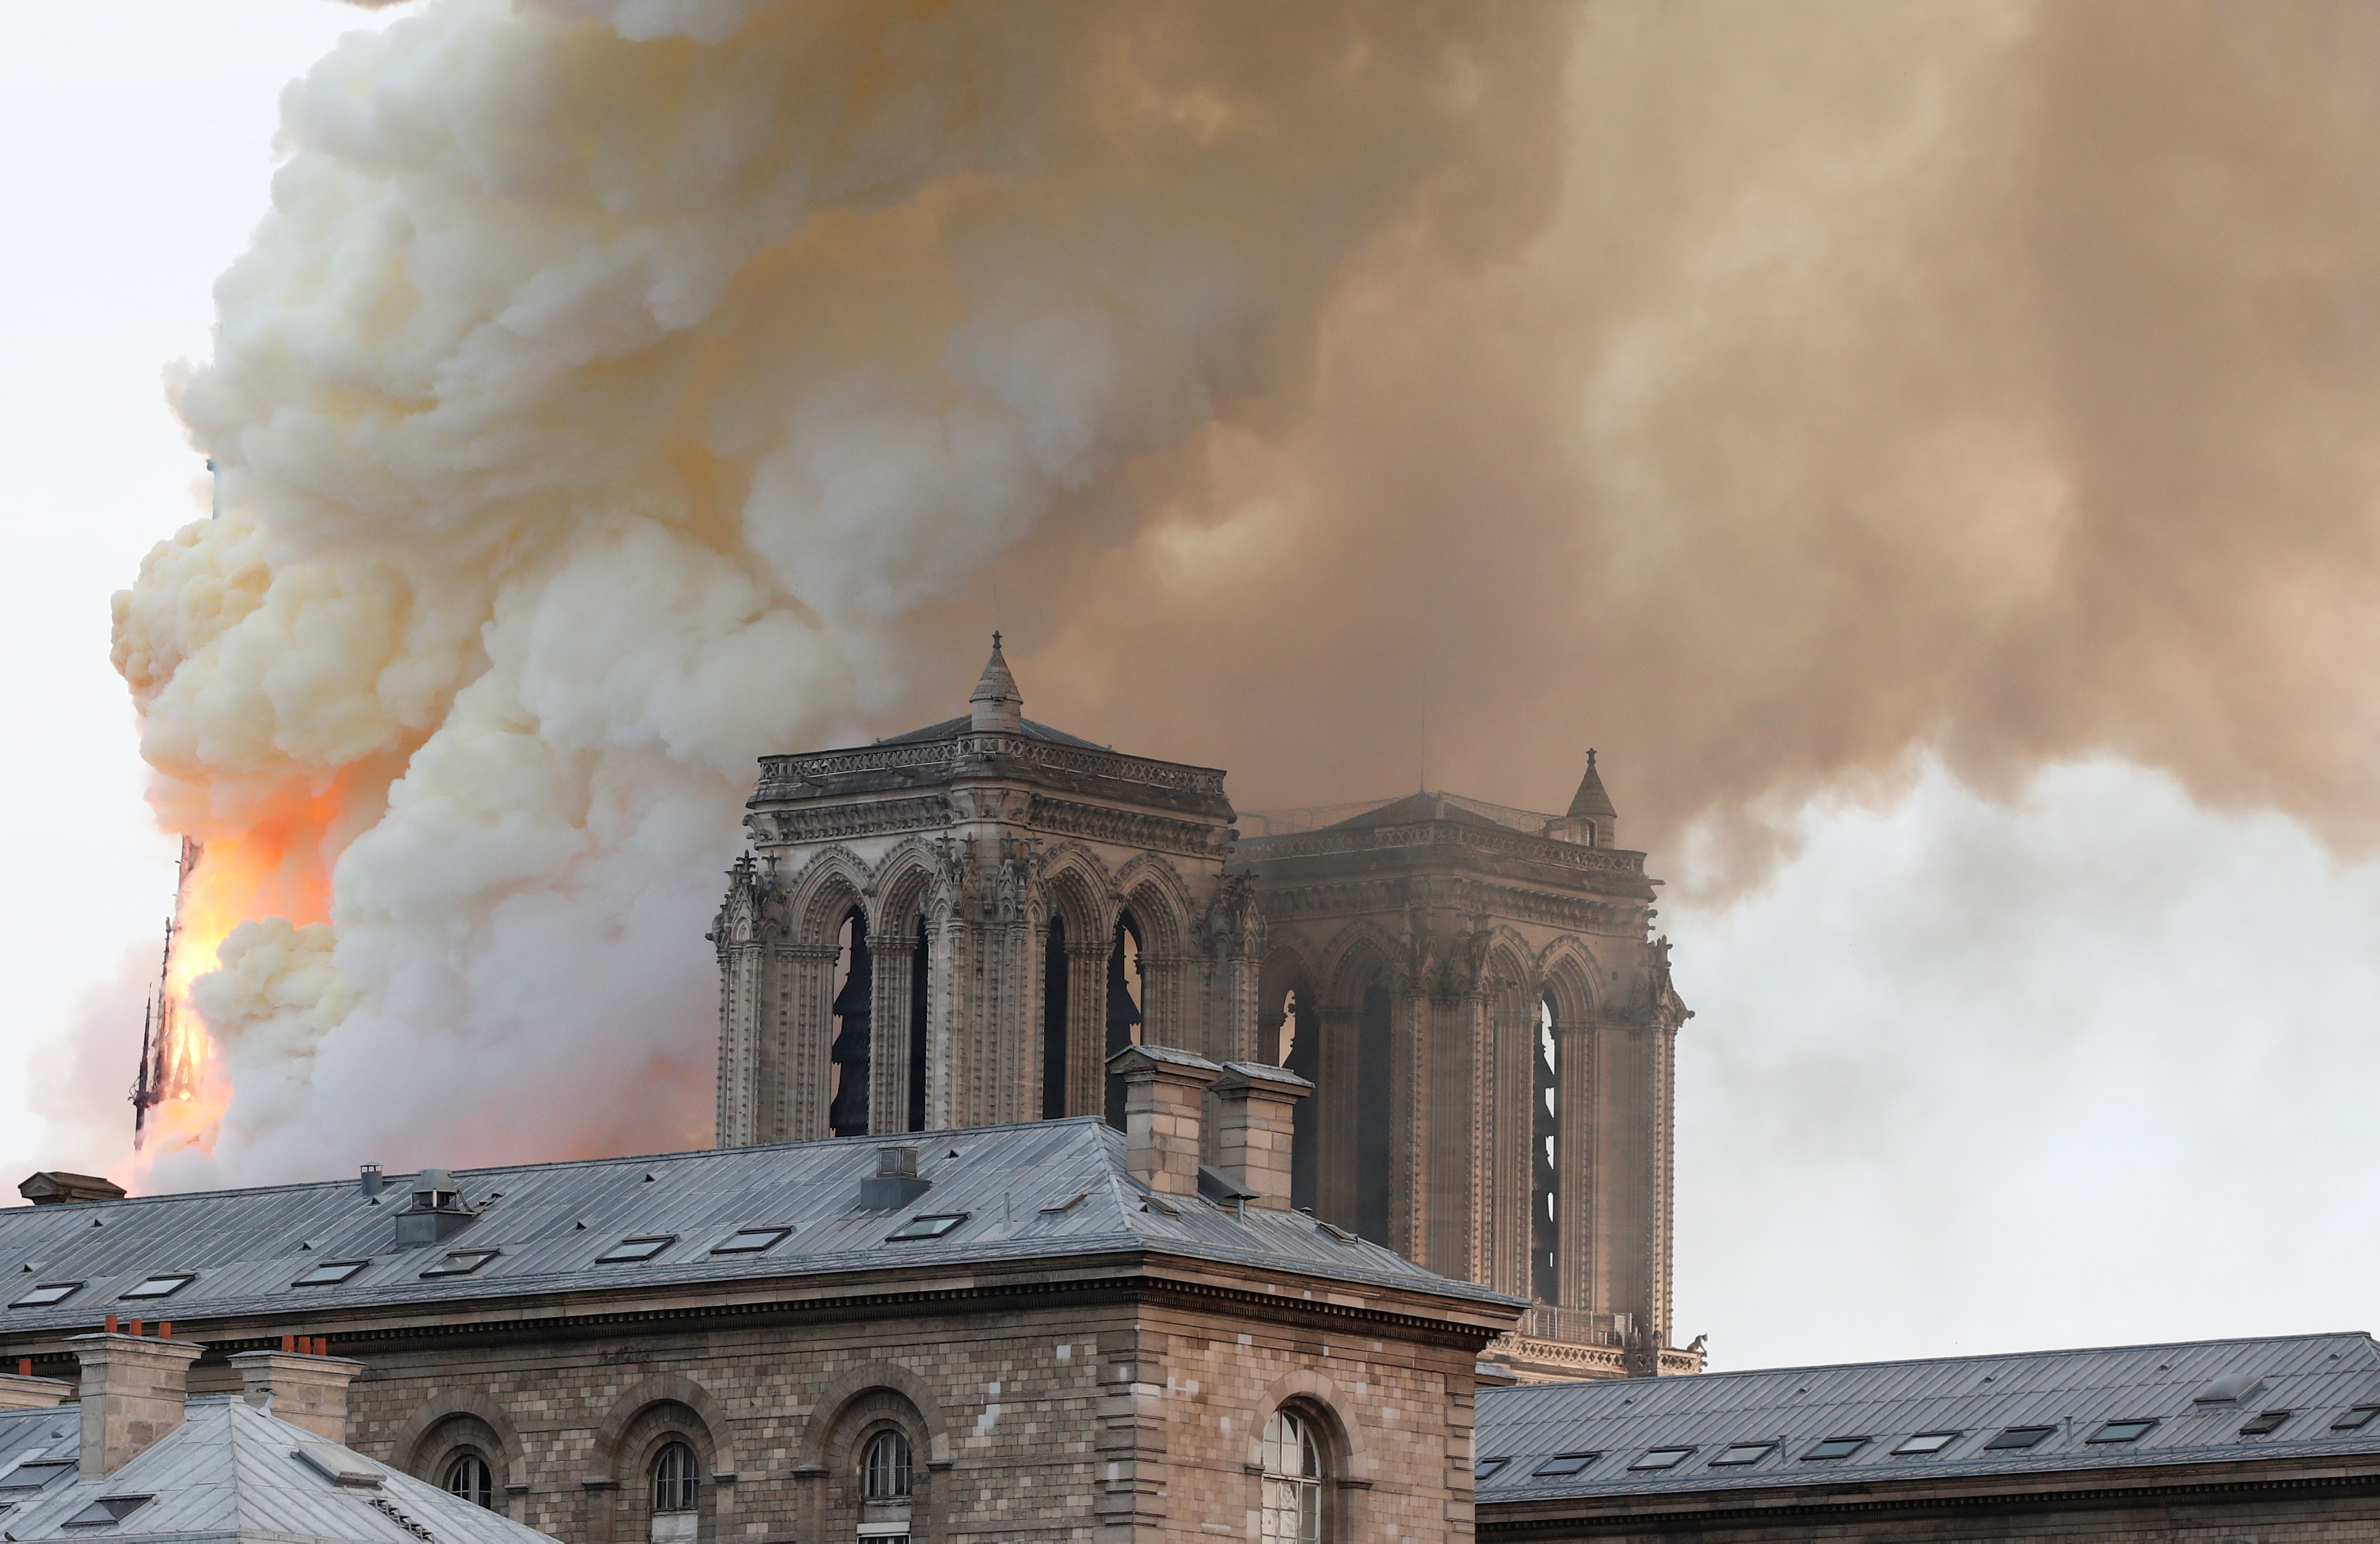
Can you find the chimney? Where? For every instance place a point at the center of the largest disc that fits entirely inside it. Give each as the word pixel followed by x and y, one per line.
pixel 896 1183
pixel 1252 1134
pixel 1164 1090
pixel 132 1393
pixel 435 1212
pixel 21 1391
pixel 51 1186
pixel 305 1390
pixel 371 1179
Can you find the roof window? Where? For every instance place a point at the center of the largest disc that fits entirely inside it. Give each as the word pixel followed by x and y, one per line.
pixel 462 1262
pixel 2122 1431
pixel 107 1510
pixel 46 1293
pixel 1563 1463
pixel 2265 1421
pixel 631 1250
pixel 331 1272
pixel 2356 1419
pixel 927 1227
pixel 32 1476
pixel 160 1286
pixel 1742 1452
pixel 1927 1442
pixel 1835 1447
pixel 1488 1468
pixel 1663 1458
pixel 2229 1388
pixel 751 1241
pixel 2018 1437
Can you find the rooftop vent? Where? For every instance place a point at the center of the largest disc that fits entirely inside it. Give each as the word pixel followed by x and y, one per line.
pixel 52 1187
pixel 370 1180
pixel 895 1183
pixel 435 1212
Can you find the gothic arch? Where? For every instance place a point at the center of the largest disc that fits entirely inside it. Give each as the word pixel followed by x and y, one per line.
pixel 1571 973
pixel 1152 889
pixel 1361 948
pixel 904 881
pixel 827 887
pixel 1075 885
pixel 1508 972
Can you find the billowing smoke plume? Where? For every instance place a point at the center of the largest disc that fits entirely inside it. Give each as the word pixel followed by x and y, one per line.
pixel 622 388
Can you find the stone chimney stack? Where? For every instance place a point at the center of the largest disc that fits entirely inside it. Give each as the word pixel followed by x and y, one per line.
pixel 132 1393
pixel 1164 1094
pixel 305 1390
pixel 1252 1133
pixel 23 1392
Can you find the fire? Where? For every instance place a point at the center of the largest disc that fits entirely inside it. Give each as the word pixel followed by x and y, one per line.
pixel 276 868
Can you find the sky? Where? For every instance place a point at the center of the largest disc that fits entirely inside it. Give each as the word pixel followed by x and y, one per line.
pixel 2008 1034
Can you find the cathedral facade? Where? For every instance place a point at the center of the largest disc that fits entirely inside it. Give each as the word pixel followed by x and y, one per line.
pixel 962 926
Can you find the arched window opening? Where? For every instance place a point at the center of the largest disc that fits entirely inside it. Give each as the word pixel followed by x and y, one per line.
pixel 468 1475
pixel 1125 986
pixel 1292 1481
pixel 1372 1105
pixel 1053 1021
pixel 919 980
pixel 885 1473
pixel 1300 1052
pixel 1545 1111
pixel 854 995
pixel 676 1486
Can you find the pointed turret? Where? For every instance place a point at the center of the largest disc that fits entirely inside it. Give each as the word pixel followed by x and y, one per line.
pixel 1591 821
pixel 998 706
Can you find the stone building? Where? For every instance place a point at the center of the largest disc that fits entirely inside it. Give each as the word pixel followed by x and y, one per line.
pixel 962 924
pixel 2275 1441
pixel 1044 1330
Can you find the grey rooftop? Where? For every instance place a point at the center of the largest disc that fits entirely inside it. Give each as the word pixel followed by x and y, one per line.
pixel 1041 1192
pixel 229 1472
pixel 2196 1397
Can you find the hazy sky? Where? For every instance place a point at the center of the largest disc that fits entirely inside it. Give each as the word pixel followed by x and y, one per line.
pixel 2080 1062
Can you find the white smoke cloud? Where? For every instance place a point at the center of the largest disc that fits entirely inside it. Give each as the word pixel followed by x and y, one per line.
pixel 607 390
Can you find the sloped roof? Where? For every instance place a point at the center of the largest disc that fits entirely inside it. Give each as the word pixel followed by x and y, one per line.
pixel 951 728
pixel 1591 802
pixel 2316 1377
pixel 230 1471
pixel 1414 808
pixel 1043 1190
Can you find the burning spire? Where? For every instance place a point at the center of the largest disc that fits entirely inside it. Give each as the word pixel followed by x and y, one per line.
pixel 170 1054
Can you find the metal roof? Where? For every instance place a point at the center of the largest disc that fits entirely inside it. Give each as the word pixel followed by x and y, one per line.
pixel 1044 1190
pixel 2075 1393
pixel 230 1471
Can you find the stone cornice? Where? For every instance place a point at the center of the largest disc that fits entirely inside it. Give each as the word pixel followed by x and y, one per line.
pixel 1371 894
pixel 1616 862
pixel 1130 828
pixel 965 754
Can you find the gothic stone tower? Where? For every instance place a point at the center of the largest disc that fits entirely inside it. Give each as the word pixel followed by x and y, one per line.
pixel 1490 1030
pixel 958 926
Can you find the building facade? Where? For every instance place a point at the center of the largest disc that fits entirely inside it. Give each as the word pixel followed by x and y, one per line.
pixel 964 924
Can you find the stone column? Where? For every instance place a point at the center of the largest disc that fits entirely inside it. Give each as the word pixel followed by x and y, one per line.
pixel 1334 1156
pixel 891 957
pixel 1087 1025
pixel 132 1392
pixel 1578 1153
pixel 801 1072
pixel 311 1392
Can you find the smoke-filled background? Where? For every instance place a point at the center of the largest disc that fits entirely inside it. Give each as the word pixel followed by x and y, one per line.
pixel 1930 450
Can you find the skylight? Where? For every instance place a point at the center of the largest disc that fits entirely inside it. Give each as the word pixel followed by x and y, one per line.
pixel 160 1286
pixel 751 1241
pixel 1836 1447
pixel 462 1262
pixel 107 1510
pixel 2122 1431
pixel 1927 1442
pixel 46 1293
pixel 927 1227
pixel 2356 1419
pixel 630 1250
pixel 2018 1437
pixel 1663 1458
pixel 1742 1452
pixel 32 1475
pixel 331 1272
pixel 1565 1464
pixel 2269 1420
pixel 1487 1467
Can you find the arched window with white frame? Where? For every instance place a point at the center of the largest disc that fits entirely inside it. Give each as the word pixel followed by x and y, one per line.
pixel 1292 1481
pixel 677 1494
pixel 469 1477
pixel 886 1487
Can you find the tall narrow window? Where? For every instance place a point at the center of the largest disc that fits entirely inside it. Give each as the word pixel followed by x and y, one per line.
pixel 1292 1481
pixel 1053 1021
pixel 847 1113
pixel 467 1475
pixel 675 1485
pixel 885 1488
pixel 1125 989
pixel 1300 1052
pixel 1372 1089
pixel 919 981
pixel 1545 1111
